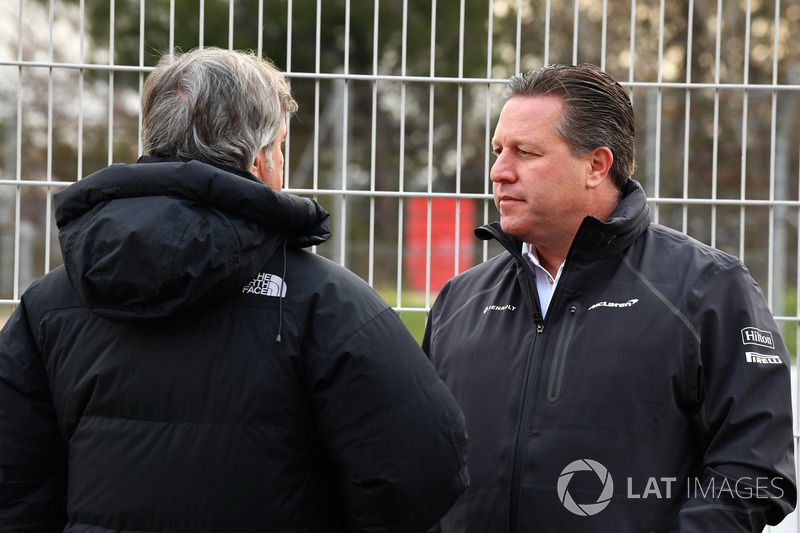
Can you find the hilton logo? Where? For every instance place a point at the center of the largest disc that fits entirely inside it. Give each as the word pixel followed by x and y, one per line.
pixel 758 337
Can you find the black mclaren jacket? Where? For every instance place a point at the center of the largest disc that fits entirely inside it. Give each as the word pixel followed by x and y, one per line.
pixel 192 369
pixel 654 396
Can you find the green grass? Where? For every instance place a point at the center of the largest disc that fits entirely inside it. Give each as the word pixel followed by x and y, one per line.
pixel 414 321
pixel 5 312
pixel 789 329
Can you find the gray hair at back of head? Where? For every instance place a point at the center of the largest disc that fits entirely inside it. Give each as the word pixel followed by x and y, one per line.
pixel 597 111
pixel 213 105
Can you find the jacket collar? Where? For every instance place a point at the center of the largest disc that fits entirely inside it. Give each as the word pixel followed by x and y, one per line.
pixel 227 168
pixel 303 220
pixel 595 239
pixel 155 239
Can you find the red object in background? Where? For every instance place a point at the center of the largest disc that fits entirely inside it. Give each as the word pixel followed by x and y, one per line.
pixel 442 249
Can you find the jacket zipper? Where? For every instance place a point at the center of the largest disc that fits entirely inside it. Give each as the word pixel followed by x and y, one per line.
pixel 560 358
pixel 528 400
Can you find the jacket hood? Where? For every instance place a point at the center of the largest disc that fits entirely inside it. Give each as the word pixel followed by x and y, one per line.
pixel 152 239
pixel 595 239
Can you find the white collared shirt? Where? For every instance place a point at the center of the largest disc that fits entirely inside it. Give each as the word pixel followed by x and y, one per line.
pixel 545 283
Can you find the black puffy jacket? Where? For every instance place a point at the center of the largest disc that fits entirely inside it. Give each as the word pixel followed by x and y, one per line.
pixel 653 396
pixel 192 368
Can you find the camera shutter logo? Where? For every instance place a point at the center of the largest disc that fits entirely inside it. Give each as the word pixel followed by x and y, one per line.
pixel 585 509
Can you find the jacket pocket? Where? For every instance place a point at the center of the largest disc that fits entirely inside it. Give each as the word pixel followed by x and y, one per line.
pixel 562 349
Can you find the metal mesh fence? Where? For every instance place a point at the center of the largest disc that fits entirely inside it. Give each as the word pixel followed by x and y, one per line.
pixel 398 103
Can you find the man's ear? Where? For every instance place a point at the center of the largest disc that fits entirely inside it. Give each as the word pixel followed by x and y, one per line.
pixel 259 167
pixel 600 160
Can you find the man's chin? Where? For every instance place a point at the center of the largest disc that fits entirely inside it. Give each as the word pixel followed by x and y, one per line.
pixel 509 228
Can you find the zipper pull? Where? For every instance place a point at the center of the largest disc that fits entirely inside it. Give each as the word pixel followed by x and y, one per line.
pixel 537 317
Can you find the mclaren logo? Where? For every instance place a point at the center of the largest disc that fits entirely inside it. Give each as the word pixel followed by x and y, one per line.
pixel 629 303
pixel 266 285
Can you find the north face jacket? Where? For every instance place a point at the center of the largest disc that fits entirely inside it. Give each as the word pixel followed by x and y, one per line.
pixel 191 368
pixel 654 396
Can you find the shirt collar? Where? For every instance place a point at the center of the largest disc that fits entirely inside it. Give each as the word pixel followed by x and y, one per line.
pixel 529 252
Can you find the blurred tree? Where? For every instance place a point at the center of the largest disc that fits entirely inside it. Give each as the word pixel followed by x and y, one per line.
pixel 335 36
pixel 714 139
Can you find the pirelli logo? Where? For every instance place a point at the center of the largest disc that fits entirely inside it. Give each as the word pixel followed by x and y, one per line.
pixel 759 337
pixel 761 359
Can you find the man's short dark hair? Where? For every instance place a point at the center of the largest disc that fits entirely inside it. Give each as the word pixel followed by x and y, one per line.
pixel 597 111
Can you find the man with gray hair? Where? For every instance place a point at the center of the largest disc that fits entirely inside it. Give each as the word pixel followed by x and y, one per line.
pixel 192 368
pixel 615 375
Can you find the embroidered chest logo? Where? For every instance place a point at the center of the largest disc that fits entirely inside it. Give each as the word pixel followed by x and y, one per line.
pixel 629 303
pixel 266 285
pixel 506 307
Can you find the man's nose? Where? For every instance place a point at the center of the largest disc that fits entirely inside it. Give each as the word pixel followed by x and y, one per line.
pixel 501 170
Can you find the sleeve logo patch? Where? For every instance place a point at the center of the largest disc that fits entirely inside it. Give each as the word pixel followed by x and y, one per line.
pixel 758 337
pixel 755 357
